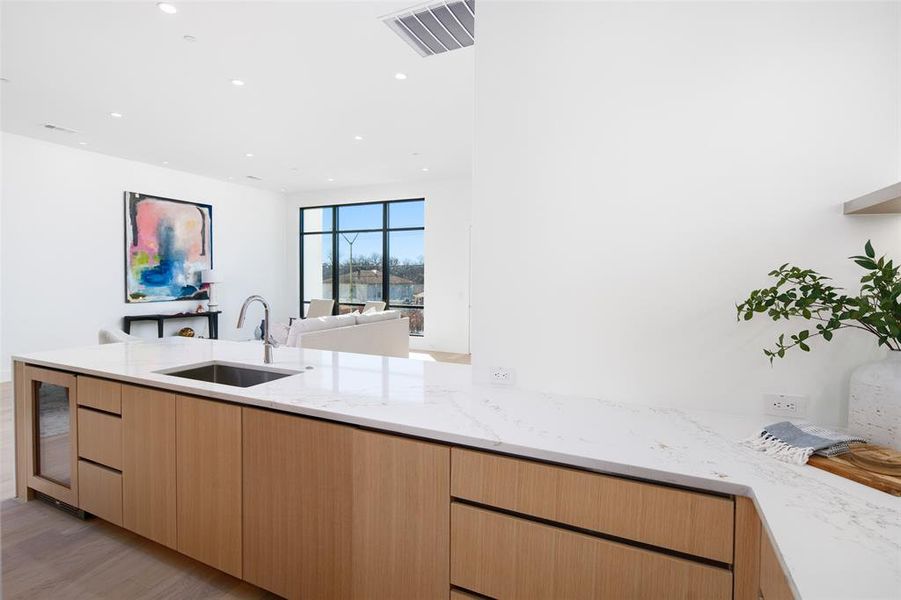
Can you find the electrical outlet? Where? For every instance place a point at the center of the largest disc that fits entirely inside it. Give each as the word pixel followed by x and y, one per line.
pixel 501 376
pixel 785 405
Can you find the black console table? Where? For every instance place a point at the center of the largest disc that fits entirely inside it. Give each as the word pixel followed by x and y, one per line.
pixel 211 316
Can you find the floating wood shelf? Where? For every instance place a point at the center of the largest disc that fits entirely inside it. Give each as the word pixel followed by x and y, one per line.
pixel 886 201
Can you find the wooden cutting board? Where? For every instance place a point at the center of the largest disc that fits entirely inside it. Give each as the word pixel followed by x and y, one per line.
pixel 873 466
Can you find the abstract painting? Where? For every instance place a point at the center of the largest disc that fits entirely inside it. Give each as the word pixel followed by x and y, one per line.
pixel 167 245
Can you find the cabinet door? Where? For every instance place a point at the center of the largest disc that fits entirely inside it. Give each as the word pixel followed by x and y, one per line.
pixel 148 463
pixel 773 584
pixel 401 517
pixel 208 458
pixel 51 433
pixel 297 505
pixel 746 570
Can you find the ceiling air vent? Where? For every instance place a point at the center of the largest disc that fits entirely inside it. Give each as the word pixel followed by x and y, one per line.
pixel 437 27
pixel 58 128
pixel 254 178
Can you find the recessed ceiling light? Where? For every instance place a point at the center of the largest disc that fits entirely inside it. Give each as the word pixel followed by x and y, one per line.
pixel 230 178
pixel 58 128
pixel 358 137
pixel 116 115
pixel 249 155
pixel 165 162
pixel 400 76
pixel 425 169
pixel 237 82
pixel 189 38
pixel 82 143
pixel 331 179
pixel 284 189
pixel 167 8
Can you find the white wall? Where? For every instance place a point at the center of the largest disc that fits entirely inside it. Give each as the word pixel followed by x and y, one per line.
pixel 644 165
pixel 447 219
pixel 63 245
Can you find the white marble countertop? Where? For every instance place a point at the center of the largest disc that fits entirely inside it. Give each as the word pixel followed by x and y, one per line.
pixel 836 538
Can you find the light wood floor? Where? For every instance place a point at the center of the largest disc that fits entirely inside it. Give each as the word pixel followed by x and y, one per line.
pixel 48 554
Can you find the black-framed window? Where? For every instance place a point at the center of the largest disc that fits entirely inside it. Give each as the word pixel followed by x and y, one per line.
pixel 354 253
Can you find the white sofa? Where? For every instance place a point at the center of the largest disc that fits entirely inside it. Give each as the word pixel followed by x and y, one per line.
pixel 384 333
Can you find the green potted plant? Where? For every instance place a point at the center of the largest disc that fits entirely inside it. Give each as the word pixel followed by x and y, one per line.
pixel 874 410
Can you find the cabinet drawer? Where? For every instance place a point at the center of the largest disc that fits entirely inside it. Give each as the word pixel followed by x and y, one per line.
pixel 100 438
pixel 100 491
pixel 100 394
pixel 690 522
pixel 507 557
pixel 458 595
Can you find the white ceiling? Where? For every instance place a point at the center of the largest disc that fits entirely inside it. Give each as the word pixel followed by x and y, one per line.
pixel 317 74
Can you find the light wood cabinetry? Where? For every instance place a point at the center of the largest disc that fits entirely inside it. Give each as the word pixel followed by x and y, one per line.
pixel 459 595
pixel 208 444
pixel 100 438
pixel 22 419
pixel 51 433
pixel 685 521
pixel 307 508
pixel 507 557
pixel 297 505
pixel 100 394
pixel 773 584
pixel 148 464
pixel 746 571
pixel 361 514
pixel 401 509
pixel 100 491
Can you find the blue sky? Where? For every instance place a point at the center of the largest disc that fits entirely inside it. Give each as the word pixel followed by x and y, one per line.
pixel 404 245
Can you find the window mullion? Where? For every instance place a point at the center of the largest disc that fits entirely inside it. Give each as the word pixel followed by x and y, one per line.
pixel 336 271
pixel 300 269
pixel 386 276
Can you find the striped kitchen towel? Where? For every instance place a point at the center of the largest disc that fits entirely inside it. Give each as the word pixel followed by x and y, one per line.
pixel 795 443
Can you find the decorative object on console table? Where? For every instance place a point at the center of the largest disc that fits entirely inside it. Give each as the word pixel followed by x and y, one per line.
pixel 212 318
pixel 210 278
pixel 874 407
pixel 168 243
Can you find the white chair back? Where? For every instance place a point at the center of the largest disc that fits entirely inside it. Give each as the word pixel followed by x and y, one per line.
pixel 374 305
pixel 320 308
pixel 114 336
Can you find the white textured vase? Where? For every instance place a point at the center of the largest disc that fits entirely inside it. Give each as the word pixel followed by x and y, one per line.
pixel 874 407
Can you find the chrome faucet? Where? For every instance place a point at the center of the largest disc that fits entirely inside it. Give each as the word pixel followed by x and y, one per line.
pixel 267 342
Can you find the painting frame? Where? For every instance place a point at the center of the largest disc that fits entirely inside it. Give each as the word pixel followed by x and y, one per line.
pixel 132 234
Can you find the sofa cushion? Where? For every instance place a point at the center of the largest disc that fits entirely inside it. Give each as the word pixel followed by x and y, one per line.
pixel 302 326
pixel 279 333
pixel 374 317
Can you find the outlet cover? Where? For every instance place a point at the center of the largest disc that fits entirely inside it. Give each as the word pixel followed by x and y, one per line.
pixel 501 376
pixel 785 405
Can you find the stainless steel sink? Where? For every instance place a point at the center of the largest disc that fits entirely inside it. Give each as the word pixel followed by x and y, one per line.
pixel 227 374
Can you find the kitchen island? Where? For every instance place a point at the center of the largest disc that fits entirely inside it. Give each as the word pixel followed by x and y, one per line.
pixel 831 537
